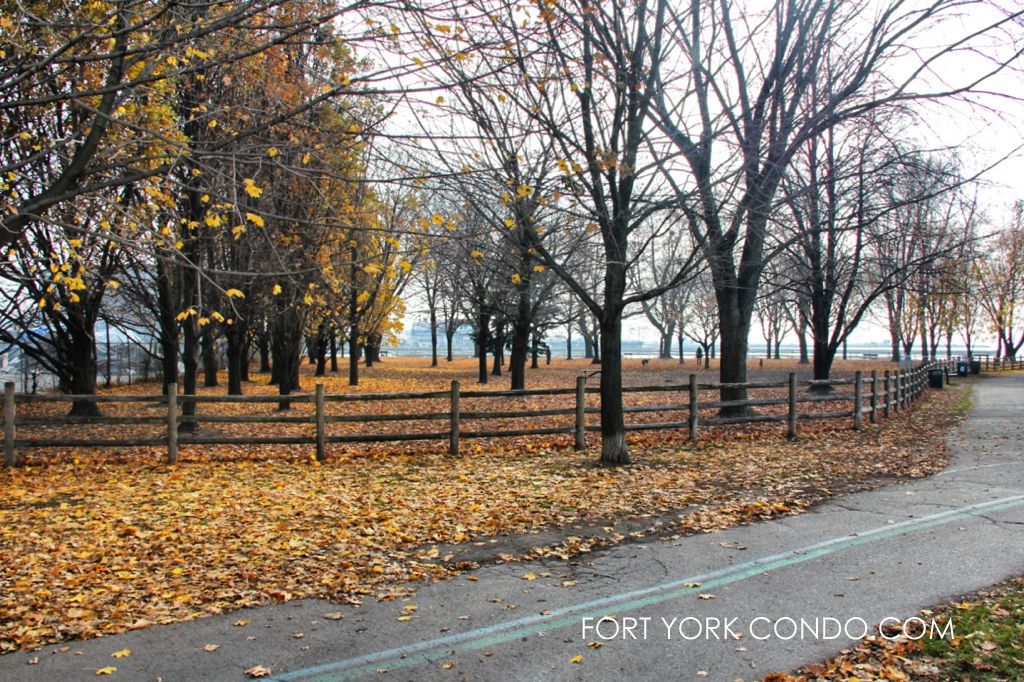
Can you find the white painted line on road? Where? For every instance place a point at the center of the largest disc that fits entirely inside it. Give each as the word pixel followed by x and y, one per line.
pixel 979 466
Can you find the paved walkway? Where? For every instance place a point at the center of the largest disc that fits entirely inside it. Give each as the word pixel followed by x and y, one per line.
pixel 857 560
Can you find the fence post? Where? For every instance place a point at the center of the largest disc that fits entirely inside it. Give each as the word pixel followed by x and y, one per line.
pixel 895 390
pixel 321 424
pixel 888 394
pixel 453 445
pixel 858 400
pixel 172 423
pixel 901 388
pixel 791 415
pixel 874 397
pixel 694 412
pixel 579 433
pixel 9 457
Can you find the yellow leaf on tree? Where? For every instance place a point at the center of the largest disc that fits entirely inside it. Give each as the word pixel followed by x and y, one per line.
pixel 272 152
pixel 371 269
pixel 509 223
pixel 516 279
pixel 234 293
pixel 276 290
pixel 250 187
pixel 254 219
pixel 437 218
pixel 538 268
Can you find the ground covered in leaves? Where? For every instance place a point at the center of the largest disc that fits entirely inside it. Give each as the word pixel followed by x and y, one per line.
pixel 94 543
pixel 987 644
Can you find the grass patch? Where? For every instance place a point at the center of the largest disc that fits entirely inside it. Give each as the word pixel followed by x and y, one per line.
pixel 991 646
pixel 987 646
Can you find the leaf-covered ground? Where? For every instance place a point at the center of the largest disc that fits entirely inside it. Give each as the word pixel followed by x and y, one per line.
pixel 96 543
pixel 988 644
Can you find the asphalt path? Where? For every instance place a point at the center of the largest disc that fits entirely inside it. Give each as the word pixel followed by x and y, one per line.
pixel 735 604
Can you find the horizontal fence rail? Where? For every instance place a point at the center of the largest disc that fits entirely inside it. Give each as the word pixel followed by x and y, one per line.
pixel 874 395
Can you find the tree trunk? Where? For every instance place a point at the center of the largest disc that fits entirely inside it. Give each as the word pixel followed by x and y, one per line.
pixel 79 353
pixel 449 337
pixel 353 354
pixel 801 338
pixel 499 349
pixel 613 426
pixel 286 345
pixel 237 356
pixel 190 376
pixel 263 346
pixel 521 339
pixel 734 326
pixel 320 349
pixel 372 349
pixel 209 350
pixel 433 337
pixel 568 342
pixel 482 337
pixel 679 342
pixel 168 335
pixel 334 350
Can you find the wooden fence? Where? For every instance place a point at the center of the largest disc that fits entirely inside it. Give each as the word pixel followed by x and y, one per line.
pixel 872 395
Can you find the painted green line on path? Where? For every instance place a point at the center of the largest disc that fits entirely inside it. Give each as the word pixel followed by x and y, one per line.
pixel 487 636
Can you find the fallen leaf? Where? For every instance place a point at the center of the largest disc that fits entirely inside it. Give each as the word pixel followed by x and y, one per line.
pixel 108 670
pixel 123 653
pixel 258 671
pixel 576 659
pixel 211 647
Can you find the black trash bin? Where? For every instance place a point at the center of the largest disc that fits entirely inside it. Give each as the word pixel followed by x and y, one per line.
pixel 936 378
pixel 975 366
pixel 963 368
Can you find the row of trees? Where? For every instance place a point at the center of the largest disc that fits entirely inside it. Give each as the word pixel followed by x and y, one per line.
pixel 270 175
